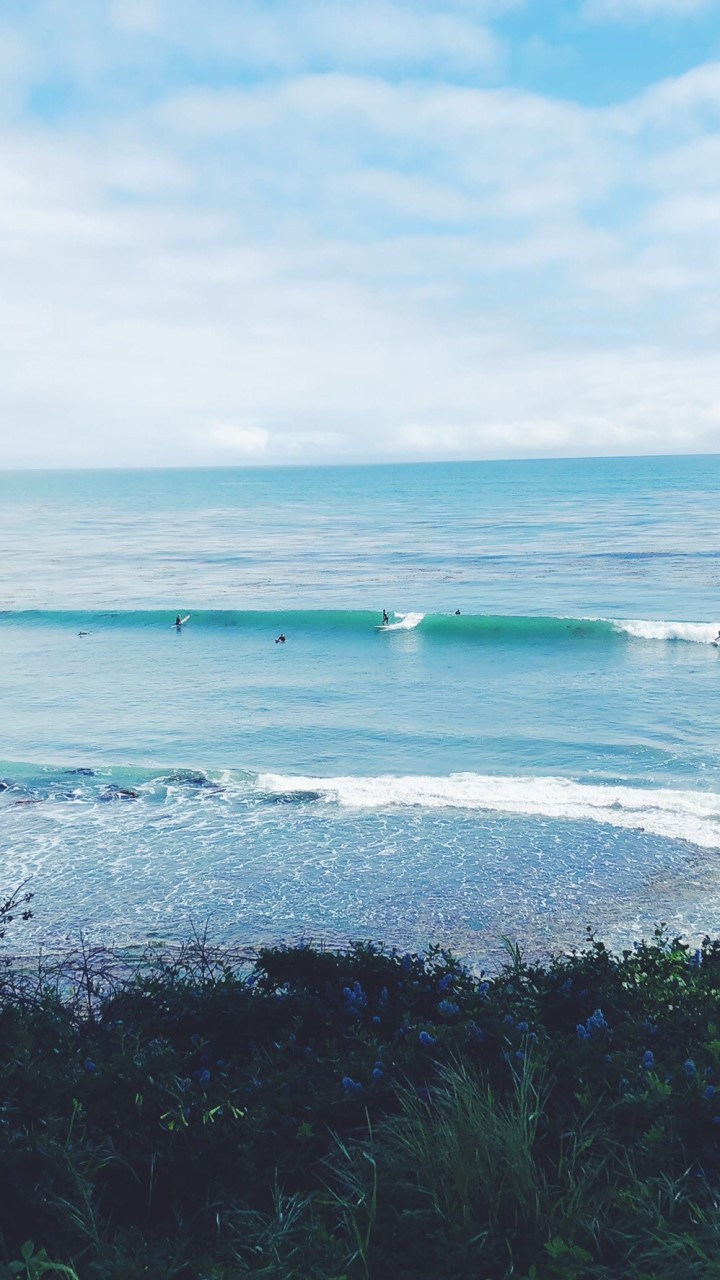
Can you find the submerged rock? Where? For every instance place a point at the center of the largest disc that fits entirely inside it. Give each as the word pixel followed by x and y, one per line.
pixel 291 797
pixel 113 792
pixel 192 778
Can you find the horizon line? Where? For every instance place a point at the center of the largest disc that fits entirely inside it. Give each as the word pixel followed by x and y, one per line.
pixel 397 462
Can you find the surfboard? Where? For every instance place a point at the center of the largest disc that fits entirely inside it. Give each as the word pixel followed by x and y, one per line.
pixel 182 621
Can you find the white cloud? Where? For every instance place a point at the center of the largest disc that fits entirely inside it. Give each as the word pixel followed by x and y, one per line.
pixel 346 266
pixel 124 42
pixel 237 442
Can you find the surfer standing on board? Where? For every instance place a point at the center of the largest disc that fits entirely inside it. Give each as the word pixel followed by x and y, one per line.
pixel 386 619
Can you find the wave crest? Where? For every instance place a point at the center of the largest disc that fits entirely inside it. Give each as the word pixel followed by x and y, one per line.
pixel 681 815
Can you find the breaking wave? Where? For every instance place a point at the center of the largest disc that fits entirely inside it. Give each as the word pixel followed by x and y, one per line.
pixel 681 815
pixel 469 627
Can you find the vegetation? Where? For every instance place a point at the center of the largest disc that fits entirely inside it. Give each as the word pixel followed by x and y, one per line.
pixel 321 1115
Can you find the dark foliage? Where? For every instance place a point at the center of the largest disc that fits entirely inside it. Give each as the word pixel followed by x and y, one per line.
pixel 314 1114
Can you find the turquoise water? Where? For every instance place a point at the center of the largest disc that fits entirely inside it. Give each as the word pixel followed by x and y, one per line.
pixel 545 760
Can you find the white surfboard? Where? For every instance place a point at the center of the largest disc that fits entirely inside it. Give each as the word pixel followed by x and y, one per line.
pixel 182 621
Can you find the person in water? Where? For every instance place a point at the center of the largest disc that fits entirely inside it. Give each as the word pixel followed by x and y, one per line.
pixel 280 639
pixel 457 613
pixel 385 618
pixel 178 621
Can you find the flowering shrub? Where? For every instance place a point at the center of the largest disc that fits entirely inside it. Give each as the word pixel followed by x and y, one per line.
pixel 339 1096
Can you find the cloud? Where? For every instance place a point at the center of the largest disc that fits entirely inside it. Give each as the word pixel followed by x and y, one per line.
pixel 126 47
pixel 237 442
pixel 353 264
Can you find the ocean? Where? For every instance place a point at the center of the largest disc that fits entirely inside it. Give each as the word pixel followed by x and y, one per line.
pixel 545 760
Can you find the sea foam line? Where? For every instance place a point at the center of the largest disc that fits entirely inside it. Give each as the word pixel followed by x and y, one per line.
pixel 677 815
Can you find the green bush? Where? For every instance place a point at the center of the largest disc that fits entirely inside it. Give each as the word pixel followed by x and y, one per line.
pixel 327 1114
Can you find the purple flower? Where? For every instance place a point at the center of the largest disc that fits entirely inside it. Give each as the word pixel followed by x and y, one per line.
pixel 592 1025
pixel 709 1092
pixel 378 1074
pixel 355 999
pixel 689 1067
pixel 648 1060
pixel 483 990
pixel 90 1065
pixel 448 1008
pixel 696 959
pixel 445 983
pixel 426 1038
pixel 376 1021
pixel 204 1078
pixel 351 1086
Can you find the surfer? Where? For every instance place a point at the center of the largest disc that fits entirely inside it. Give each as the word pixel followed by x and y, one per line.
pixel 386 619
pixel 280 639
pixel 457 613
pixel 178 621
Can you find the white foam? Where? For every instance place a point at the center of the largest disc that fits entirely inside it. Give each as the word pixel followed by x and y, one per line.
pixel 677 815
pixel 408 622
pixel 642 629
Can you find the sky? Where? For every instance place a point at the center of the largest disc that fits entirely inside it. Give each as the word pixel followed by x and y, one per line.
pixel 306 231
